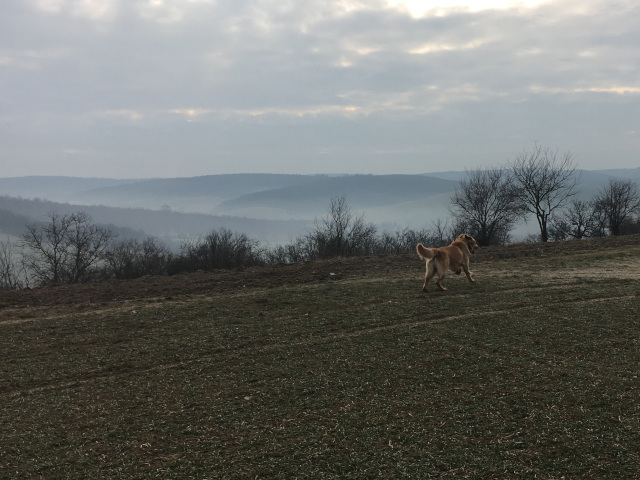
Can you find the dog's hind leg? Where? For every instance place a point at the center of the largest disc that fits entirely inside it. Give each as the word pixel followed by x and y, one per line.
pixel 441 274
pixel 427 276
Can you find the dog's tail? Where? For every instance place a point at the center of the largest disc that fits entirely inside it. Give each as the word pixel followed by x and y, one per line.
pixel 426 253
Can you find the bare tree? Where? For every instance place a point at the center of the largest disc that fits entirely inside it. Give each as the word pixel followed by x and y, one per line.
pixel 443 232
pixel 218 249
pixel 154 257
pixel 599 221
pixel 303 248
pixel 341 233
pixel 65 249
pixel 131 259
pixel 579 220
pixel 10 271
pixel 86 243
pixel 617 202
pixel 488 203
pixel 545 183
pixel 122 259
pixel 402 241
pixel 46 255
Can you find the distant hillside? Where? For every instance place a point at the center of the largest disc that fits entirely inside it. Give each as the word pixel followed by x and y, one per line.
pixel 362 192
pixel 271 207
pixel 199 194
pixel 630 173
pixel 59 189
pixel 224 186
pixel 12 223
pixel 170 225
pixel 402 200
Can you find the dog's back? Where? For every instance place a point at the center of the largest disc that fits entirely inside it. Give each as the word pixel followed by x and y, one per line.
pixel 457 252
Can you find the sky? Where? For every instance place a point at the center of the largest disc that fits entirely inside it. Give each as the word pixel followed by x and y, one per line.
pixel 180 88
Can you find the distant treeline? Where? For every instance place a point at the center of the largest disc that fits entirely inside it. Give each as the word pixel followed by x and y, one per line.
pixel 70 248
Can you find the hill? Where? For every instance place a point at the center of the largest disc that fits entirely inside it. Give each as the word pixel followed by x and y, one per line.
pixel 58 189
pixel 270 207
pixel 284 197
pixel 364 192
pixel 196 194
pixel 630 173
pixel 337 369
pixel 171 226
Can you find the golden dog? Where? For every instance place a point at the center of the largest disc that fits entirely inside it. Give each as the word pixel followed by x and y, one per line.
pixel 455 257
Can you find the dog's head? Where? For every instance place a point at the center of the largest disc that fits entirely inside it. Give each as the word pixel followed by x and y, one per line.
pixel 472 245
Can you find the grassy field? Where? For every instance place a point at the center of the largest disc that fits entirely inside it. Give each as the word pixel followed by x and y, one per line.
pixel 340 369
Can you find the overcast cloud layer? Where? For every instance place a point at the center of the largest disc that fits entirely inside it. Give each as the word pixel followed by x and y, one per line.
pixel 163 88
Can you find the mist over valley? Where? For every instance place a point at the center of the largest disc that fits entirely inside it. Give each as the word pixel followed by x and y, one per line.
pixel 272 208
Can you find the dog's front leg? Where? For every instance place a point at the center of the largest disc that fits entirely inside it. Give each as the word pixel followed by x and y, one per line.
pixel 468 273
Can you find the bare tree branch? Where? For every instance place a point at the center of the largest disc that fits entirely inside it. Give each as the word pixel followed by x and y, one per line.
pixel 617 202
pixel 545 183
pixel 65 249
pixel 488 203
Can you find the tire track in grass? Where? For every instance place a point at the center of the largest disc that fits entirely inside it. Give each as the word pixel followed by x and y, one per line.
pixel 450 318
pixel 38 314
pixel 316 340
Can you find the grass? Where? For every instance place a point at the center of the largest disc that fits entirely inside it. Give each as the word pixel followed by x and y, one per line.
pixel 530 373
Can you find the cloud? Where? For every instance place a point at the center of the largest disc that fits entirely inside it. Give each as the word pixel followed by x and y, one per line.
pixel 89 9
pixel 31 59
pixel 350 76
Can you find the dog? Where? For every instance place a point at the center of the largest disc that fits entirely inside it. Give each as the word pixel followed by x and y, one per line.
pixel 455 257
